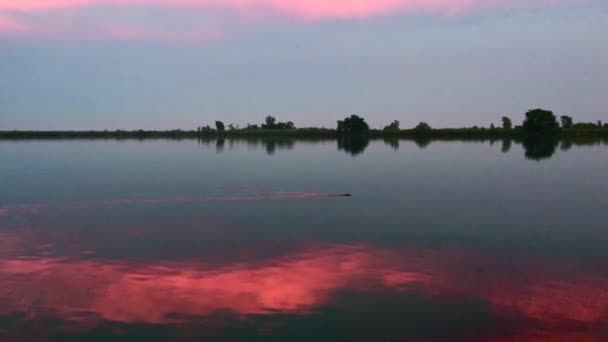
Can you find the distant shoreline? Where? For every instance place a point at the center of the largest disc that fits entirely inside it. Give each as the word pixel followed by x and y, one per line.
pixel 305 133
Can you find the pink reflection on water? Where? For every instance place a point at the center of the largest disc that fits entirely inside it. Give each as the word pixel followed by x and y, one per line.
pixel 131 292
pixel 545 291
pixel 541 336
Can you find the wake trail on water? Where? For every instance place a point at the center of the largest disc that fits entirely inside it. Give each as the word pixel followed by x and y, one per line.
pixel 273 196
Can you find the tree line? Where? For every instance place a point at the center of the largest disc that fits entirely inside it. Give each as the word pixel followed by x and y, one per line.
pixel 536 121
pixel 270 122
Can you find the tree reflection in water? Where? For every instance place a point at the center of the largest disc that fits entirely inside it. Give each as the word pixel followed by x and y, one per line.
pixel 535 148
pixel 353 145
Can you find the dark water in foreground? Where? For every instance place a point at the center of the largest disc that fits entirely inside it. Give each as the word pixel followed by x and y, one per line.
pixel 202 241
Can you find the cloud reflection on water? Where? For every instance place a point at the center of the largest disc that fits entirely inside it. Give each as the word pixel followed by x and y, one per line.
pixel 88 291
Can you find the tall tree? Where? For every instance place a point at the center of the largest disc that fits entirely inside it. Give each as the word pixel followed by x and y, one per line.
pixel 506 123
pixel 566 121
pixel 269 122
pixel 353 124
pixel 220 126
pixel 393 126
pixel 540 121
pixel 422 127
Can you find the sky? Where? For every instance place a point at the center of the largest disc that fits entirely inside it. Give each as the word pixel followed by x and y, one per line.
pixel 168 64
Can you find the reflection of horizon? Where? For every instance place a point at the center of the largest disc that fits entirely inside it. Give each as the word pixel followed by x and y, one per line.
pixel 297 282
pixel 270 144
pixel 535 147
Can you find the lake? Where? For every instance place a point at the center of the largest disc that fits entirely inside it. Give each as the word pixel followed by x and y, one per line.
pixel 192 240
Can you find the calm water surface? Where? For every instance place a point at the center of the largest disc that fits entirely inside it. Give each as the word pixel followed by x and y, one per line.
pixel 234 240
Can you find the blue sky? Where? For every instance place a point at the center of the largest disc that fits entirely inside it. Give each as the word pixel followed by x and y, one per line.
pixel 154 64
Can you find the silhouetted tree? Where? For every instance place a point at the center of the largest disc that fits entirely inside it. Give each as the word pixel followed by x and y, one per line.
pixel 269 122
pixel 585 125
pixel 284 125
pixel 506 123
pixel 232 127
pixel 353 124
pixel 219 126
pixel 249 126
pixel 492 126
pixel 422 128
pixel 566 121
pixel 393 126
pixel 540 121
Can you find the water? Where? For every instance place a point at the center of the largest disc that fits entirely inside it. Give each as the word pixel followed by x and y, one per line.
pixel 244 240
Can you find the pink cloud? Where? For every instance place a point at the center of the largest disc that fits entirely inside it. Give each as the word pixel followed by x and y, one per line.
pixel 9 25
pixel 122 32
pixel 304 8
pixel 135 33
pixel 235 10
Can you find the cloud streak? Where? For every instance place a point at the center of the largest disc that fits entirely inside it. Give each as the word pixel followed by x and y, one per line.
pixel 12 23
pixel 305 8
pixel 8 25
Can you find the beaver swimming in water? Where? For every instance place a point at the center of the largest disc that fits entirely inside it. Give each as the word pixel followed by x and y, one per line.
pixel 340 195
